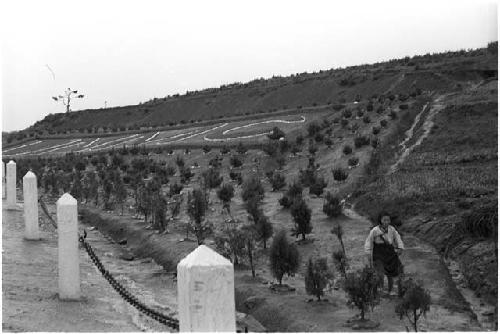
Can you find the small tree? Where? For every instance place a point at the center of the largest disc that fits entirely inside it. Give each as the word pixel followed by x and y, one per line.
pixel 277 181
pixel 416 302
pixel 301 214
pixel 347 150
pixel 250 236
pixel 283 257
pixel 196 209
pixel 120 192
pixel 362 290
pixel 276 133
pixel 318 186
pixel 317 277
pixel 235 162
pixel 331 206
pixel 212 178
pixel 339 174
pixel 225 193
pixel 241 149
pixel 340 261
pixel 252 187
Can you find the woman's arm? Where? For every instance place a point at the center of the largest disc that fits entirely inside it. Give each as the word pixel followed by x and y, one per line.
pixel 398 242
pixel 369 246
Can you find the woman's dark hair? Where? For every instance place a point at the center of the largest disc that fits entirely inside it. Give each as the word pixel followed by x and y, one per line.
pixel 381 214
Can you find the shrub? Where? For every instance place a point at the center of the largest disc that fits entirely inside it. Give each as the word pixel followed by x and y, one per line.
pixel 340 261
pixel 360 113
pixel 235 162
pixel 344 122
pixel 312 148
pixel 225 193
pixel 212 178
pixel 277 181
pixel 328 142
pixel 369 107
pixel 383 123
pixel 236 176
pixel 366 119
pixel 375 130
pixel 313 128
pixel 175 189
pixel 393 114
pixel 241 149
pixel 336 120
pixel 206 148
pixel 332 206
pixel 299 140
pixel 301 214
pixel 283 257
pixel 317 277
pixel 347 113
pixel 347 150
pixel 318 137
pixel 339 174
pixel 416 302
pixel 225 150
pixel 276 133
pixel 179 161
pixel 270 148
pixel 252 188
pixel 403 106
pixel 353 161
pixel 361 141
pixel 374 142
pixel 215 162
pixel 318 186
pixel 362 289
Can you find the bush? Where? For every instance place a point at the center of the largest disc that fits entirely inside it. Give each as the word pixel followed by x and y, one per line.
pixel 313 128
pixel 206 148
pixel 383 123
pixel 344 122
pixel 375 130
pixel 374 142
pixel 318 186
pixel 241 149
pixel 283 257
pixel 362 289
pixel 416 302
pixel 361 141
pixel 252 188
pixel 353 161
pixel 277 181
pixel 403 106
pixel 236 176
pixel 225 150
pixel 366 119
pixel 312 148
pixel 318 137
pixel 360 113
pixel 336 120
pixel 301 214
pixel 225 193
pixel 328 142
pixel 317 277
pixel 339 174
pixel 175 189
pixel 393 114
pixel 347 150
pixel 212 178
pixel 235 162
pixel 270 148
pixel 276 133
pixel 331 206
pixel 347 113
pixel 215 162
pixel 299 140
pixel 369 107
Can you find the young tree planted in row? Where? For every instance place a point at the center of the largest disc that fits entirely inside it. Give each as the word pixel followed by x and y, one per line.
pixel 283 256
pixel 317 277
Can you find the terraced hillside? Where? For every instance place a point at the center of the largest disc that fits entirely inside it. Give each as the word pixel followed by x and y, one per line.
pixel 437 72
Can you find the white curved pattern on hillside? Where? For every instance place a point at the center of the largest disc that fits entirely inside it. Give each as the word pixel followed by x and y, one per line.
pixel 186 135
pixel 92 142
pixel 114 141
pixel 302 120
pixel 55 147
pixel 22 146
pixel 152 137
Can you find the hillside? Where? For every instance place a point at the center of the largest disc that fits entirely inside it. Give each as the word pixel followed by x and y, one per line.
pixel 436 72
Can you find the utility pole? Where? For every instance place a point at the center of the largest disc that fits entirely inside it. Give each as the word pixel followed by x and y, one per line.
pixel 66 98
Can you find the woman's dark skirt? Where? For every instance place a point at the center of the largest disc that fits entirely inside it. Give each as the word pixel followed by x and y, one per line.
pixel 385 256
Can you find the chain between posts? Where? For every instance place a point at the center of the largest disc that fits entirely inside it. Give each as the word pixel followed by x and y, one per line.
pixel 124 293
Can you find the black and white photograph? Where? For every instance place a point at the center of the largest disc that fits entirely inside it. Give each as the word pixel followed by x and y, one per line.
pixel 249 166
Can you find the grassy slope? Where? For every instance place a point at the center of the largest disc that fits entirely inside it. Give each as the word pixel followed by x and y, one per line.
pixel 451 174
pixel 431 73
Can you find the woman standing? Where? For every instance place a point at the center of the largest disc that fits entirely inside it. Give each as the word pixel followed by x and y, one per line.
pixel 382 247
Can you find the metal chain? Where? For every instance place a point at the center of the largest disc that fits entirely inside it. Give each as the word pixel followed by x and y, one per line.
pixel 124 293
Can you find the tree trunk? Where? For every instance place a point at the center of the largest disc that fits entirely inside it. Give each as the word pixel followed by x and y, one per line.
pixel 250 258
pixel 363 314
pixel 415 320
pixel 303 236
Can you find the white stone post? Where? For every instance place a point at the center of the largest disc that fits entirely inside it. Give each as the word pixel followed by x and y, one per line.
pixel 3 179
pixel 30 195
pixel 205 292
pixel 11 185
pixel 69 263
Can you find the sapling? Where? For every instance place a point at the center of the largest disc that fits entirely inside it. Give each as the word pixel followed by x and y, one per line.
pixel 415 302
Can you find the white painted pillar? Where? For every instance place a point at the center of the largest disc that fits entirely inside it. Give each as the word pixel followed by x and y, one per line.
pixel 3 179
pixel 11 185
pixel 69 263
pixel 30 196
pixel 205 292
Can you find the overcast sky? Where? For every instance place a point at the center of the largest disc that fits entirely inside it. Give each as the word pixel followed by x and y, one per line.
pixel 126 52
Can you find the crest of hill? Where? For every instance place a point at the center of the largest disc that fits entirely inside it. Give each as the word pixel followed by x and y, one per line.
pixel 334 87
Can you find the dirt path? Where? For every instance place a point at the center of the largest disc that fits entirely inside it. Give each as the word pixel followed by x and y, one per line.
pixel 30 286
